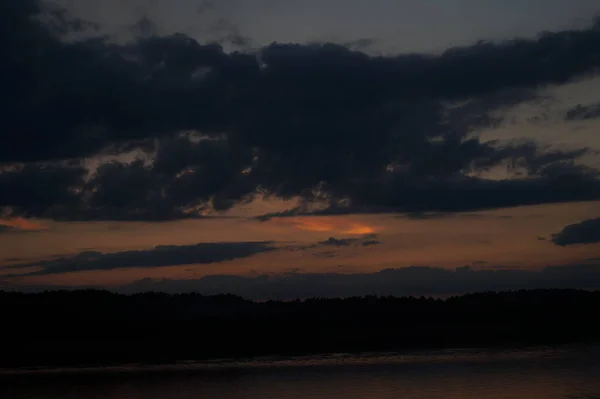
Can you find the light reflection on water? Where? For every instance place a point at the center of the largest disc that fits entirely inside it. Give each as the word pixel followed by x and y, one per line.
pixel 548 373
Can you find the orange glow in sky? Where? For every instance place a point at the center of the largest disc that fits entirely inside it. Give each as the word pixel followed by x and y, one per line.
pixel 338 225
pixel 360 229
pixel 517 238
pixel 22 224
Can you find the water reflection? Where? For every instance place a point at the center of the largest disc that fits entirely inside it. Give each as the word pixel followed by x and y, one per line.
pixel 565 373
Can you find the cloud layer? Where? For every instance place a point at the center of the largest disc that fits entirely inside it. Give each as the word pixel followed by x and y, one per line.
pixel 321 122
pixel 163 255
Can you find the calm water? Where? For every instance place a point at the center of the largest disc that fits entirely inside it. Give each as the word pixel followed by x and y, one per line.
pixel 566 372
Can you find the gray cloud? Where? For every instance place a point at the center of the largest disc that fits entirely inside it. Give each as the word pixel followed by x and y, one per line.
pixel 164 255
pixel 583 112
pixel 320 121
pixel 339 242
pixel 586 232
pixel 399 282
pixel 366 240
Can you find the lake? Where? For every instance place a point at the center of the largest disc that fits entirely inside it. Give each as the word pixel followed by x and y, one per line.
pixel 566 372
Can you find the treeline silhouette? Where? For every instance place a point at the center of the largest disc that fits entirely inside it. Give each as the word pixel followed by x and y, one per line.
pixel 99 327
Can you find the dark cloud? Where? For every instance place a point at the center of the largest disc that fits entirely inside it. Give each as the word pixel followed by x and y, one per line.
pixel 398 282
pixel 470 193
pixel 288 212
pixel 583 112
pixel 164 255
pixel 432 198
pixel 586 232
pixel 184 176
pixel 40 190
pixel 339 242
pixel 366 240
pixel 321 122
pixel 438 215
pixel 305 210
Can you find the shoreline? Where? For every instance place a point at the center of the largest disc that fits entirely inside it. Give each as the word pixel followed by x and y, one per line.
pixel 408 356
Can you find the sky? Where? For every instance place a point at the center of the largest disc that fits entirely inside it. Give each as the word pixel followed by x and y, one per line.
pixel 284 148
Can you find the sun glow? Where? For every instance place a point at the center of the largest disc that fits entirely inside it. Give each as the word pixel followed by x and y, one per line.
pixel 327 224
pixel 23 224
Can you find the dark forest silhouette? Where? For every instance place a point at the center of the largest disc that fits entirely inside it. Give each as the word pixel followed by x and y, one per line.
pixel 100 327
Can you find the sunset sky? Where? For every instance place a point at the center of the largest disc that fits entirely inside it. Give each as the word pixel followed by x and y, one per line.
pixel 149 145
